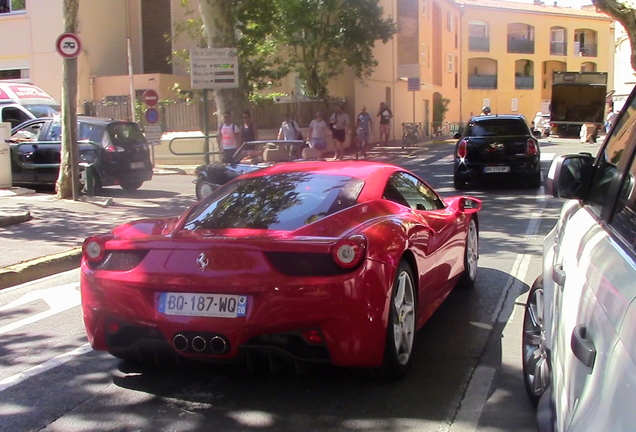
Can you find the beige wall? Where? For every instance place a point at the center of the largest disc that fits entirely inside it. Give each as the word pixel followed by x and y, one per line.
pixel 529 101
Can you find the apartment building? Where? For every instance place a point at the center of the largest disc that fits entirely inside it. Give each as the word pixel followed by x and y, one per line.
pixel 464 53
pixel 115 35
pixel 510 51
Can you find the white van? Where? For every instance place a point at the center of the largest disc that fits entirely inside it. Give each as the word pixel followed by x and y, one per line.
pixel 20 102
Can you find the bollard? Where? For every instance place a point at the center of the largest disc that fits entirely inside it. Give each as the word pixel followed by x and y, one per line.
pixel 89 178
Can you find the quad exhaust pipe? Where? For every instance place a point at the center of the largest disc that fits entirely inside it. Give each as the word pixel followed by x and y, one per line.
pixel 199 343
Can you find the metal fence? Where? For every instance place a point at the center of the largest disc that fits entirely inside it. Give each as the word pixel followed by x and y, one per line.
pixel 188 116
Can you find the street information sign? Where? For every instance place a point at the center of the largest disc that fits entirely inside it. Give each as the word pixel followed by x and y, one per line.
pixel 213 68
pixel 153 134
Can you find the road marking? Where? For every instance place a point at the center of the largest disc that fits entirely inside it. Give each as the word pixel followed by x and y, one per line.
pixel 59 299
pixel 547 157
pixel 41 368
pixel 480 382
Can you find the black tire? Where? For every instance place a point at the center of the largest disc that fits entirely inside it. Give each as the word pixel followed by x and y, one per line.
pixel 471 257
pixel 130 185
pixel 535 180
pixel 399 348
pixel 535 361
pixel 203 188
pixel 458 183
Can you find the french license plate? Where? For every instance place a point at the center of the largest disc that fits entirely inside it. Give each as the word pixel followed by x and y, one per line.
pixel 205 305
pixel 496 169
pixel 137 165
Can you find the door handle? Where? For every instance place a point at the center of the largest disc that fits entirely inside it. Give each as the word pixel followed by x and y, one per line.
pixel 582 347
pixel 558 275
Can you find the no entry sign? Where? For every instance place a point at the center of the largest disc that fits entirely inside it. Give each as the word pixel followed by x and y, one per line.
pixel 150 97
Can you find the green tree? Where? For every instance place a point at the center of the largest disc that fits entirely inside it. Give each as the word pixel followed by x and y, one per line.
pixel 219 23
pixel 323 38
pixel 67 184
pixel 623 11
pixel 316 39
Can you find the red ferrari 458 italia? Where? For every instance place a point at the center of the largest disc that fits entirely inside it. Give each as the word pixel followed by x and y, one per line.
pixel 314 262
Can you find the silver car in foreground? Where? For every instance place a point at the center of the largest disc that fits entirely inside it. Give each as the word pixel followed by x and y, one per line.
pixel 579 341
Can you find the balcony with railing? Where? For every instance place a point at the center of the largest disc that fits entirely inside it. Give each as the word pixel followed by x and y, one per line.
pixel 520 46
pixel 479 44
pixel 558 48
pixel 586 50
pixel 524 82
pixel 485 82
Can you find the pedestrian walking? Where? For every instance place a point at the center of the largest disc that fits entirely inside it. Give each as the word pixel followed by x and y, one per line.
pixel 289 129
pixel 229 136
pixel 363 130
pixel 385 114
pixel 318 133
pixel 339 123
pixel 248 130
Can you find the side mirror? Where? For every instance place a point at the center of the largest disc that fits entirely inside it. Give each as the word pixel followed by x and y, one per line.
pixel 568 176
pixel 469 205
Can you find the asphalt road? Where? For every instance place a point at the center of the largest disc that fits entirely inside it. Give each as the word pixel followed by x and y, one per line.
pixel 466 374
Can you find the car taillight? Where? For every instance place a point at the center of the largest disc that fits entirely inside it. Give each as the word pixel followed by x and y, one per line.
pixel 533 148
pixel 462 149
pixel 348 252
pixel 94 249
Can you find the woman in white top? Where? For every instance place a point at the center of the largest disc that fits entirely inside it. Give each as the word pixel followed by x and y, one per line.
pixel 229 137
pixel 317 133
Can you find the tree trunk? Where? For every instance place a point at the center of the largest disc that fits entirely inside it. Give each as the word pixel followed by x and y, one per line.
pixel 68 184
pixel 626 16
pixel 219 23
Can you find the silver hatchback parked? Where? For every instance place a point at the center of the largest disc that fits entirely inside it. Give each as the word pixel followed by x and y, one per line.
pixel 579 341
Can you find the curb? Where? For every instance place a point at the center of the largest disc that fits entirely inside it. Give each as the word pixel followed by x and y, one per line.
pixel 12 218
pixel 40 267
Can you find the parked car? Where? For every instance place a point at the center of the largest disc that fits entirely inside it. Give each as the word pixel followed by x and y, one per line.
pixel 116 149
pixel 250 156
pixel 579 355
pixel 496 146
pixel 314 262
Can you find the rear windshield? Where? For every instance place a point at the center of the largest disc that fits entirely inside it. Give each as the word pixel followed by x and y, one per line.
pixel 122 133
pixel 498 127
pixel 277 202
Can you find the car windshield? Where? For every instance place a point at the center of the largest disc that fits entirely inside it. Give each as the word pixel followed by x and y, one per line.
pixel 277 202
pixel 269 151
pixel 44 110
pixel 496 127
pixel 125 132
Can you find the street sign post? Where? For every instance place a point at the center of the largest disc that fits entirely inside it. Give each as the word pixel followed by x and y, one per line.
pixel 214 68
pixel 68 45
pixel 150 97
pixel 151 115
pixel 153 134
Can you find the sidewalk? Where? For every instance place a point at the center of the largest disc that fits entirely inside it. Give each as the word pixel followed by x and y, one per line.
pixel 41 235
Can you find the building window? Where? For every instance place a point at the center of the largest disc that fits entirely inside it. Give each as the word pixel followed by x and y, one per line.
pixel 478 39
pixel 14 74
pixel 514 105
pixel 449 22
pixel 424 60
pixel 8 6
pixel 450 63
pixel 424 7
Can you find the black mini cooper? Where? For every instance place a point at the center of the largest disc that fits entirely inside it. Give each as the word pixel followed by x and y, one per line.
pixel 495 146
